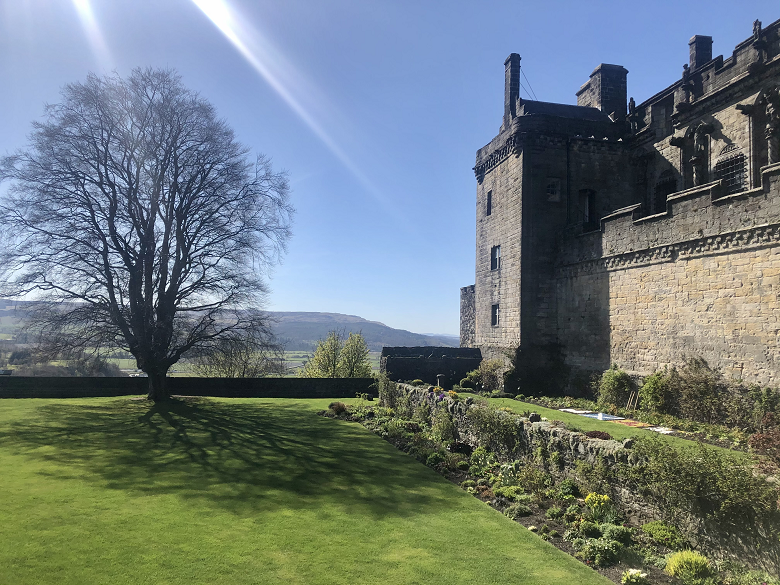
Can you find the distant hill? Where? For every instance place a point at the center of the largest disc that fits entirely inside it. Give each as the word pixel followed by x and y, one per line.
pixel 302 330
pixel 298 330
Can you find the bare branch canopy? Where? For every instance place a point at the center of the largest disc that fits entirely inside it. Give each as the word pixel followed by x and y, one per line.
pixel 140 220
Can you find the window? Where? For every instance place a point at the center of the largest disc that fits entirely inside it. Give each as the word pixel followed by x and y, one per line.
pixel 665 186
pixel 495 257
pixel 553 190
pixel 494 314
pixel 588 208
pixel 730 168
pixel 489 204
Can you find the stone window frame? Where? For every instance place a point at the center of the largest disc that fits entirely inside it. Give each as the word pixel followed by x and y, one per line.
pixel 489 203
pixel 495 257
pixel 589 216
pixel 495 315
pixel 731 167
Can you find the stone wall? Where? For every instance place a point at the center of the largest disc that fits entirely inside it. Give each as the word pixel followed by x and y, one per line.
pixel 42 387
pixel 720 542
pixel 468 317
pixel 428 363
pixel 701 279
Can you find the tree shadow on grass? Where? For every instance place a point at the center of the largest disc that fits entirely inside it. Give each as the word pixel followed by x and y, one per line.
pixel 241 456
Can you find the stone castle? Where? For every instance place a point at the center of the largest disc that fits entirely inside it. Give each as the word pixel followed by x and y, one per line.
pixel 636 234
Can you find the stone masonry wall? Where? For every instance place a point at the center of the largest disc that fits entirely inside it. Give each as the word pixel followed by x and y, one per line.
pixel 467 317
pixel 702 279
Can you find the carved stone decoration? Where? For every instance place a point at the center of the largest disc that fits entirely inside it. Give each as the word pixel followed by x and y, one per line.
pixel 772 130
pixel 759 45
pixel 699 158
pixel 687 90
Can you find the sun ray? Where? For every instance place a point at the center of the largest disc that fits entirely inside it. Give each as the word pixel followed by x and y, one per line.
pixel 94 34
pixel 267 61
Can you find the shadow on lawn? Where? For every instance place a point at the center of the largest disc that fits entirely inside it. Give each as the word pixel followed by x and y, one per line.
pixel 245 457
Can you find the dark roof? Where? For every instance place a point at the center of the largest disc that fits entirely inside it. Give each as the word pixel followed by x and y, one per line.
pixel 531 107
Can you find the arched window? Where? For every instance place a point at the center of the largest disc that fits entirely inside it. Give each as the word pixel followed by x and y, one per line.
pixel 665 186
pixel 730 168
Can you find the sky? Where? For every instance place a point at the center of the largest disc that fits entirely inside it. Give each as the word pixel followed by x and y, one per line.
pixel 374 108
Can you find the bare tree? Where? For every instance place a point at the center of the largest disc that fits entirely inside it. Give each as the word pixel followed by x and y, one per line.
pixel 136 216
pixel 250 354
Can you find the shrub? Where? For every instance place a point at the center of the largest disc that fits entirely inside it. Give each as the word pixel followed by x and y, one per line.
pixel 767 444
pixel 554 513
pixel 715 483
pixel 510 492
pixel 467 383
pixel 598 435
pixel 434 459
pixel 614 387
pixel 518 510
pixel 337 407
pixel 621 534
pixel 690 567
pixel 601 552
pixel 634 577
pixel 589 529
pixel 665 534
pixel 442 427
pixel 417 382
pixel 655 394
pixel 481 461
pixel 569 487
pixel 490 375
pixel 698 389
pixel 572 513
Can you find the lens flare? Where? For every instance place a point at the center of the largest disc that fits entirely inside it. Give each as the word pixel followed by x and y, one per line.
pixel 279 73
pixel 94 35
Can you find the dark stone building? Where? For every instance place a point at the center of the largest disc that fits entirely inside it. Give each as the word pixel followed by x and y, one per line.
pixel 636 234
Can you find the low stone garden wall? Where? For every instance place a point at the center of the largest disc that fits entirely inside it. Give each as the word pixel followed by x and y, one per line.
pixel 511 436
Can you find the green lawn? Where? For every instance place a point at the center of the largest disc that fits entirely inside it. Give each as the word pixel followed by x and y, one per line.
pixel 239 491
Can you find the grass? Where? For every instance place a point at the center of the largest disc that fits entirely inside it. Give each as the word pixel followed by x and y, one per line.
pixel 236 492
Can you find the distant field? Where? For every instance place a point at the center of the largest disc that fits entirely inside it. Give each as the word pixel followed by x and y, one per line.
pixel 296 359
pixel 233 492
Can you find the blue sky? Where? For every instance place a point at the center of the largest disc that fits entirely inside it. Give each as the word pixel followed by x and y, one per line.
pixel 374 108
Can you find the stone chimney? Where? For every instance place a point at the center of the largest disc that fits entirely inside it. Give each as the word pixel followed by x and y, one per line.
pixel 511 87
pixel 701 51
pixel 606 90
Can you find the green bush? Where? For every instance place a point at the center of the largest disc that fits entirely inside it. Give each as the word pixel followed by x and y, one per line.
pixel 588 529
pixel 622 534
pixel 572 513
pixel 699 390
pixel 510 492
pixel 601 552
pixel 490 375
pixel 690 567
pixel 434 459
pixel 712 482
pixel 442 427
pixel 665 534
pixel 417 382
pixel 518 510
pixel 467 383
pixel 337 407
pixel 655 394
pixel 554 513
pixel 569 487
pixel 614 387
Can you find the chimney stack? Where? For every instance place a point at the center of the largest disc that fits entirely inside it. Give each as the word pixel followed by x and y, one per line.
pixel 511 87
pixel 701 51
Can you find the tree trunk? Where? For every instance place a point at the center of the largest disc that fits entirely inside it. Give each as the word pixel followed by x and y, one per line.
pixel 158 389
